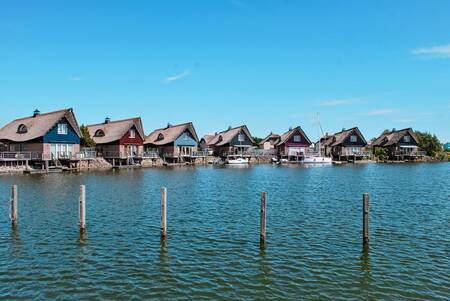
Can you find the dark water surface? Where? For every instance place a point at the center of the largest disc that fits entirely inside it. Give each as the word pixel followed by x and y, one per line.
pixel 314 249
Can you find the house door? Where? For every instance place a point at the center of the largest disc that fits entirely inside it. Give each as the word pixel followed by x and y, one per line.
pixel 131 150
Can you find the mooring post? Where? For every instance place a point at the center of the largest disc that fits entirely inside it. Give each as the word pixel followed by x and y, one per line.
pixel 262 236
pixel 163 212
pixel 14 205
pixel 82 208
pixel 365 219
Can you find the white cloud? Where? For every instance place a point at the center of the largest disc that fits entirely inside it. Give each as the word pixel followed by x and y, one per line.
pixel 335 102
pixel 442 51
pixel 75 77
pixel 179 76
pixel 378 112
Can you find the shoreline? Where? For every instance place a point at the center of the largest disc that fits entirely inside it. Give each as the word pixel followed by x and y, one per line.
pixel 17 170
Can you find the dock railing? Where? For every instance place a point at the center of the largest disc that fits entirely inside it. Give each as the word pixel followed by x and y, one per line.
pixel 17 156
pixel 150 155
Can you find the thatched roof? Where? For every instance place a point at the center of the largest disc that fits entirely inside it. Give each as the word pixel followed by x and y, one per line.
pixel 286 136
pixel 115 130
pixel 170 133
pixel 208 138
pixel 226 136
pixel 339 137
pixel 37 126
pixel 272 138
pixel 393 137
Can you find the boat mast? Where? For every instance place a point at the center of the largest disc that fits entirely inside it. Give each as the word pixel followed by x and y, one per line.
pixel 318 132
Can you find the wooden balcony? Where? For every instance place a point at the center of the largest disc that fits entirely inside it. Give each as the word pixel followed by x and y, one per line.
pixel 20 156
pixel 122 155
pixel 150 155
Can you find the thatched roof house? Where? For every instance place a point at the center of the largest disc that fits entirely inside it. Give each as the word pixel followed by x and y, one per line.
pixel 53 135
pixel 36 126
pixel 399 144
pixel 231 141
pixel 344 145
pixel 177 143
pixel 120 139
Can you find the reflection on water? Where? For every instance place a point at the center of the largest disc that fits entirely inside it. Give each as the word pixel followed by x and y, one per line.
pixel 213 252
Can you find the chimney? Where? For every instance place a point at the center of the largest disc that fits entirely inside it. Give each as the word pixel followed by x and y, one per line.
pixel 343 129
pixel 394 129
pixel 229 127
pixel 36 113
pixel 169 125
pixel 290 128
pixel 107 120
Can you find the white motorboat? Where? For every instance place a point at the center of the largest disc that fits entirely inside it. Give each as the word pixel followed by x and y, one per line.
pixel 237 161
pixel 317 159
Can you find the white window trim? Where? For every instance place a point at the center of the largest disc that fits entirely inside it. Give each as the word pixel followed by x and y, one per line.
pixel 132 133
pixel 62 129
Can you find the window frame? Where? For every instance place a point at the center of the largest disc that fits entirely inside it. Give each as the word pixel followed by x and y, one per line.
pixel 353 138
pixel 63 129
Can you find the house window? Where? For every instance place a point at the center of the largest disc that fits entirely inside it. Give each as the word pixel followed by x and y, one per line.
pixel 241 138
pixel 22 129
pixel 132 133
pixel 99 133
pixel 407 139
pixel 297 138
pixel 62 129
pixel 353 138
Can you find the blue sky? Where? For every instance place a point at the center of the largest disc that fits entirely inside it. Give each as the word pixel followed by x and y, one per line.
pixel 268 64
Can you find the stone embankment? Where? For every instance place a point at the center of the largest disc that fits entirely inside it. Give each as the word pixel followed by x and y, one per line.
pixel 97 163
pixel 12 169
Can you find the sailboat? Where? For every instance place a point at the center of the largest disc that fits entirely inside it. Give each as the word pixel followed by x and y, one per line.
pixel 317 158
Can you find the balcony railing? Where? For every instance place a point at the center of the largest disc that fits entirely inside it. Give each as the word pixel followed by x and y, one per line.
pixel 200 154
pixel 150 155
pixel 411 153
pixel 122 155
pixel 12 156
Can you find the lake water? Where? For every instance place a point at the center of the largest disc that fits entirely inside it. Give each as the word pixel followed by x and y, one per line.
pixel 314 244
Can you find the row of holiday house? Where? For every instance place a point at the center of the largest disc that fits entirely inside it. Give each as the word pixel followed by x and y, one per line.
pixel 56 136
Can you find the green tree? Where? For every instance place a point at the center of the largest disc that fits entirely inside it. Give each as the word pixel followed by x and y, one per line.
pixel 257 140
pixel 380 153
pixel 86 140
pixel 429 143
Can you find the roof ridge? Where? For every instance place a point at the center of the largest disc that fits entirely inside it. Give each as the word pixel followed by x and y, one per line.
pixel 227 130
pixel 114 121
pixel 173 126
pixel 43 114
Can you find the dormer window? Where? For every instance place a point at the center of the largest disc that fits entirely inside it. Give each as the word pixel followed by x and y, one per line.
pixel 407 139
pixel 297 138
pixel 62 128
pixel 353 138
pixel 22 129
pixel 160 137
pixel 99 133
pixel 132 133
pixel 220 138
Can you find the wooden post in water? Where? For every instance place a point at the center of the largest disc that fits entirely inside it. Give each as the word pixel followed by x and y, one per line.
pixel 163 227
pixel 366 219
pixel 262 236
pixel 14 205
pixel 82 212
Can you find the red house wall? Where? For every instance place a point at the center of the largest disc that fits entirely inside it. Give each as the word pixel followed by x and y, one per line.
pixel 137 140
